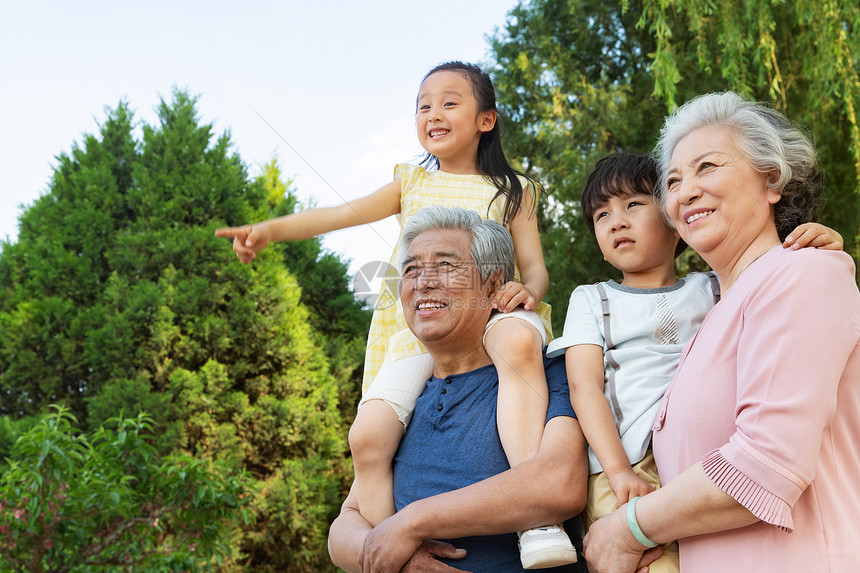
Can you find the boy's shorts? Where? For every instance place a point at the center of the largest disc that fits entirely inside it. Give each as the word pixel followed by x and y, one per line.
pixel 601 502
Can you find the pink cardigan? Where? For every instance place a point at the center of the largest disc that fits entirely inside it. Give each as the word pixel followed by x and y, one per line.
pixel 767 396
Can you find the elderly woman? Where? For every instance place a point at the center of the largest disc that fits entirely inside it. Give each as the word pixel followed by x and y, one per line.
pixel 758 436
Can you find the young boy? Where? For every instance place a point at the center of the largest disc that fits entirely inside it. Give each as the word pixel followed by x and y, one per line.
pixel 623 341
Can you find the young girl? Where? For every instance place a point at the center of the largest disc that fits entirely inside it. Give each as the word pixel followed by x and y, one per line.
pixel 458 127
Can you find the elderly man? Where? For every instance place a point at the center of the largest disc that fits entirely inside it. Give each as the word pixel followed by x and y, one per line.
pixel 451 477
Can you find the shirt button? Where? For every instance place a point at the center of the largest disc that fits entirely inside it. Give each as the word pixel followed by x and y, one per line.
pixel 444 390
pixel 447 381
pixel 439 407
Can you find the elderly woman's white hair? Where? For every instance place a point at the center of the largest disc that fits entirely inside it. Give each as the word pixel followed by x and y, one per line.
pixel 772 144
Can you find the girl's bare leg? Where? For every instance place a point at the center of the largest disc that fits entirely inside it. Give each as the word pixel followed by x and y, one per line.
pixel 373 438
pixel 516 349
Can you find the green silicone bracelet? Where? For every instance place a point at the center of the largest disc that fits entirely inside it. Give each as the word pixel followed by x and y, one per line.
pixel 634 525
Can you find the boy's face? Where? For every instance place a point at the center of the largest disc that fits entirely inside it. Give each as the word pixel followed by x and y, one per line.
pixel 633 234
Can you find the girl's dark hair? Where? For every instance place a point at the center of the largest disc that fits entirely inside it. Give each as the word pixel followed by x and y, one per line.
pixel 491 158
pixel 619 175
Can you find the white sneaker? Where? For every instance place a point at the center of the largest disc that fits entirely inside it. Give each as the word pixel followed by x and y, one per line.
pixel 547 546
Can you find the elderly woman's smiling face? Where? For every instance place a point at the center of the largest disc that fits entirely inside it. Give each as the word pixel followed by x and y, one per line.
pixel 720 205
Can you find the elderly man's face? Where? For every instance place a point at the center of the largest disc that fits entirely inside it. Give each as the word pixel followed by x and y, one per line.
pixel 443 297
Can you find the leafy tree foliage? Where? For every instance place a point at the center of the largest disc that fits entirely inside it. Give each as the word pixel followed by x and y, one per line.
pixel 118 297
pixel 802 56
pixel 570 77
pixel 324 278
pixel 578 79
pixel 74 502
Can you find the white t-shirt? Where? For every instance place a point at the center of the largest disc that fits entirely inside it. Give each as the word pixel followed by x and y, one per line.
pixel 642 355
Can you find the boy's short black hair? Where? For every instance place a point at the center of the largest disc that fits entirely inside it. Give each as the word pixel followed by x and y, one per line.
pixel 619 175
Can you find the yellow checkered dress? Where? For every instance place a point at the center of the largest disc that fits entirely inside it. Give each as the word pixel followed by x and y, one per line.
pixel 390 338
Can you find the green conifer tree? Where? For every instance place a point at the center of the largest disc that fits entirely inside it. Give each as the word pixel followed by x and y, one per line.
pixel 120 298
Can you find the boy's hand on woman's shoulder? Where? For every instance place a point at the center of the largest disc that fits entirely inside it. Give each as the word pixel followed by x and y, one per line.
pixel 814 235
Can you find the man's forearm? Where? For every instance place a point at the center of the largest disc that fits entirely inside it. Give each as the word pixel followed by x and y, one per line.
pixel 503 503
pixel 346 535
pixel 510 501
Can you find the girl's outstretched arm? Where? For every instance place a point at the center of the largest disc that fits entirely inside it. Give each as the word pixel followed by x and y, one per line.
pixel 814 235
pixel 248 239
pixel 533 275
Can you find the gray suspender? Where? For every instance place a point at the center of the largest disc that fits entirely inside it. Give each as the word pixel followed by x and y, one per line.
pixel 610 346
pixel 715 285
pixel 607 354
pixel 604 305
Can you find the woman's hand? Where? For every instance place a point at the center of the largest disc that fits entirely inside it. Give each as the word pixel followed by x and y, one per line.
pixel 611 548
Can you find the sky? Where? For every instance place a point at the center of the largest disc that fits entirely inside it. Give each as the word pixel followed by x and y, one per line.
pixel 325 87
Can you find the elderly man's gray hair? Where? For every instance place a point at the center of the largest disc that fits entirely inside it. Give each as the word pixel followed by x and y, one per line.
pixel 492 245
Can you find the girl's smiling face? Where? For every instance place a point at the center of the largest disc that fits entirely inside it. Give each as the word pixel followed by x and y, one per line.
pixel 449 123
